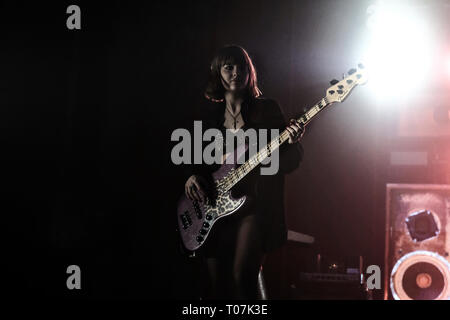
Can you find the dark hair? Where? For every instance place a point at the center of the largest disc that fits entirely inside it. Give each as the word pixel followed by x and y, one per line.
pixel 230 55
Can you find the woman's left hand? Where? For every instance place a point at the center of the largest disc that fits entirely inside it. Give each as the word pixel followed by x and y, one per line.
pixel 296 131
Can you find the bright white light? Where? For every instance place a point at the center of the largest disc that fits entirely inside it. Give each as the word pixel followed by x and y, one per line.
pixel 399 56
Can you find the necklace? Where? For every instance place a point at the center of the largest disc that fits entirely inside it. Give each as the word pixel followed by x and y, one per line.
pixel 234 117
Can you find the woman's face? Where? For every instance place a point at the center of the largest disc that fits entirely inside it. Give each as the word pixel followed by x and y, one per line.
pixel 234 77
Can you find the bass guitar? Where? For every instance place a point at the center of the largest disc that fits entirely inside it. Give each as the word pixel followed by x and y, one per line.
pixel 196 219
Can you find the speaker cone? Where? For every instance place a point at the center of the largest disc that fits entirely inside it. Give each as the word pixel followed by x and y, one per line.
pixel 421 275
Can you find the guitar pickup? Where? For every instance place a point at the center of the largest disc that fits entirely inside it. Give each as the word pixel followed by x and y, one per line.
pixel 186 220
pixel 198 210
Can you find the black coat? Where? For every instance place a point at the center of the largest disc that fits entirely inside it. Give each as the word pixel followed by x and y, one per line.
pixel 259 113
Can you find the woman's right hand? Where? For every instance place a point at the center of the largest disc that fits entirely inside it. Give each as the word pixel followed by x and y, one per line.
pixel 195 188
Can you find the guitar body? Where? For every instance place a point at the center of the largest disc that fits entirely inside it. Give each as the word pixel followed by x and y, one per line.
pixel 196 219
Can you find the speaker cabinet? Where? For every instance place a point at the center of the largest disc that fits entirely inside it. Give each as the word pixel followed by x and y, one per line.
pixel 417 263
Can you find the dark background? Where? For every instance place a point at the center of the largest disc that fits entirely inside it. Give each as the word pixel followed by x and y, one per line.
pixel 86 118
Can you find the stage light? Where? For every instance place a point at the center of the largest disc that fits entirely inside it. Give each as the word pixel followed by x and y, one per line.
pixel 400 51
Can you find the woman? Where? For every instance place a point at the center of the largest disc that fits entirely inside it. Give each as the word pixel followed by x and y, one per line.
pixel 235 250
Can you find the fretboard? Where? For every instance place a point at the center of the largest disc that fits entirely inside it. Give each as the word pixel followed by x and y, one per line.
pixel 237 175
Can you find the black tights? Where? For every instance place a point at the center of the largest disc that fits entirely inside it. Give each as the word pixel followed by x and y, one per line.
pixel 234 265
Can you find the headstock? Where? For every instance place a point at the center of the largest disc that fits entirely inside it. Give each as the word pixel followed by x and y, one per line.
pixel 340 89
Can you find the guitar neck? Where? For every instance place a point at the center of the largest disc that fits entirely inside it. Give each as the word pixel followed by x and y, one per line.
pixel 237 175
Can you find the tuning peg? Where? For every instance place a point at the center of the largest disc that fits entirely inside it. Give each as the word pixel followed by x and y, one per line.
pixel 333 82
pixel 360 65
pixel 351 71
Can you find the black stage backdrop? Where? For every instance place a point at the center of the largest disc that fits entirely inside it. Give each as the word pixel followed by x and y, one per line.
pixel 87 115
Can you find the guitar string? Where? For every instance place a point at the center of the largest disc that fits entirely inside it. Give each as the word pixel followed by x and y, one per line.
pixel 309 115
pixel 235 176
pixel 263 153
